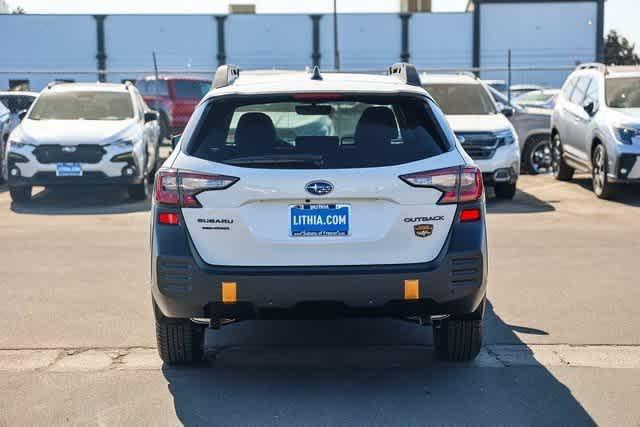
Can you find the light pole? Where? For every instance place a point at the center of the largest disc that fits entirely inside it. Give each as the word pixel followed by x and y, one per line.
pixel 336 54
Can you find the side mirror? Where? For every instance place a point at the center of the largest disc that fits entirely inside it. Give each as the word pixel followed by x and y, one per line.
pixel 150 116
pixel 22 114
pixel 590 108
pixel 175 139
pixel 508 111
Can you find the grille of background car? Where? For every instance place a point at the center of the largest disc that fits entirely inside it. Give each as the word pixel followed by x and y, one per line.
pixel 84 154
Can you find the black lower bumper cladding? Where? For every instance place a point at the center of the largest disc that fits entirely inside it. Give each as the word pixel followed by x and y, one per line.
pixel 453 283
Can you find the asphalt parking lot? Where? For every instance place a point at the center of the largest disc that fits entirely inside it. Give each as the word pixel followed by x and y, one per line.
pixel 562 344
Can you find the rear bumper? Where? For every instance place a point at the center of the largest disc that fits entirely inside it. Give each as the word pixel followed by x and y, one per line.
pixel 184 286
pixel 49 179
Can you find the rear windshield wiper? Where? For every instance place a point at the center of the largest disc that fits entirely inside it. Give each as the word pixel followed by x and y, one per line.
pixel 278 159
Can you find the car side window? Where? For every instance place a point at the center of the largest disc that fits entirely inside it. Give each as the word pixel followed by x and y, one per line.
pixel 577 97
pixel 593 94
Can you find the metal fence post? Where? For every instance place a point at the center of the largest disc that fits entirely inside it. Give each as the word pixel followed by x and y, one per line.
pixel 315 52
pixel 222 55
pixel 404 52
pixel 101 55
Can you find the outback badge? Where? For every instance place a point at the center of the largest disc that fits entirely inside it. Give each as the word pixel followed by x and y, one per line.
pixel 423 230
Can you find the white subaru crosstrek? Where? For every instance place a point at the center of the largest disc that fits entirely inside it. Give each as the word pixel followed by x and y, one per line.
pixel 308 194
pixel 83 133
pixel 481 126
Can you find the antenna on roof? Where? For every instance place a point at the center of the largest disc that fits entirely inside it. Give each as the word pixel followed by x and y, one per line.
pixel 316 74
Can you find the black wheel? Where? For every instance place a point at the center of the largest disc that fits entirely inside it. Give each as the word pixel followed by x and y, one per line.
pixel 459 338
pixel 21 193
pixel 538 155
pixel 165 132
pixel 601 185
pixel 179 341
pixel 139 191
pixel 561 171
pixel 505 190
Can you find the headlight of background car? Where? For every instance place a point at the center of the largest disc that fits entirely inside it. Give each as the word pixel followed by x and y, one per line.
pixel 626 133
pixel 122 144
pixel 505 137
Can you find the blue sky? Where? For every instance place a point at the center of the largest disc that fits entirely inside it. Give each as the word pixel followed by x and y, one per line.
pixel 622 15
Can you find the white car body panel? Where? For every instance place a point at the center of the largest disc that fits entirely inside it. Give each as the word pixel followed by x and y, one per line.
pixel 258 206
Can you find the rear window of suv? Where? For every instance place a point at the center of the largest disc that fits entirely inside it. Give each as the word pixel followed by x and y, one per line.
pixel 331 131
pixel 461 98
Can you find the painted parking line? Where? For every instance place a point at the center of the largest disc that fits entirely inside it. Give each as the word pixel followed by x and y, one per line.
pixel 493 356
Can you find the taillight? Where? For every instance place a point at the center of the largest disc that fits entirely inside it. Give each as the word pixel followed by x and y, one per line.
pixel 179 188
pixel 457 184
pixel 470 215
pixel 168 218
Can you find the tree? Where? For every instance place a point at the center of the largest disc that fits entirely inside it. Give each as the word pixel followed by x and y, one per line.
pixel 619 51
pixel 18 11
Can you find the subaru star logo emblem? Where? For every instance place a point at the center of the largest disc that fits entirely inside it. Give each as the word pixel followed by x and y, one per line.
pixel 69 149
pixel 319 188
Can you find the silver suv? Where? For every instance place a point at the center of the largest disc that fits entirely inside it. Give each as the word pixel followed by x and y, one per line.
pixel 595 126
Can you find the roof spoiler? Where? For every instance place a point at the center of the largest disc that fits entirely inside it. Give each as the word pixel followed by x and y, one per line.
pixel 225 75
pixel 406 73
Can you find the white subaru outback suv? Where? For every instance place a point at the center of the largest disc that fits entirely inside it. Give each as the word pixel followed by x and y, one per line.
pixel 308 194
pixel 84 133
pixel 484 131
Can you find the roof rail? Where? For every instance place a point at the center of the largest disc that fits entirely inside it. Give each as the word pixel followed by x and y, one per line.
pixel 54 83
pixel 406 72
pixel 592 66
pixel 225 75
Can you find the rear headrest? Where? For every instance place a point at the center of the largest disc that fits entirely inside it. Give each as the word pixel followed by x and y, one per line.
pixel 376 126
pixel 255 132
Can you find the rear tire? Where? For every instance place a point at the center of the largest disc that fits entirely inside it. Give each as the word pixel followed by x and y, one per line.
pixel 537 155
pixel 561 171
pixel 139 191
pixel 459 338
pixel 180 341
pixel 21 193
pixel 505 190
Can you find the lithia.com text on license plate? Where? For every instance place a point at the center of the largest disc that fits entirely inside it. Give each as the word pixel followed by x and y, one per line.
pixel 319 220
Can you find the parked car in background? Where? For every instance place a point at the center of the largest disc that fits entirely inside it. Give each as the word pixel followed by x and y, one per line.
pixel 533 126
pixel 18 101
pixel 499 85
pixel 544 98
pixel 84 133
pixel 6 126
pixel 596 126
pixel 352 184
pixel 481 126
pixel 174 98
pixel 519 90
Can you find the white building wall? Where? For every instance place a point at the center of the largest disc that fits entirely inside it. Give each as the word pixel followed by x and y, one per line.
pixel 538 34
pixel 181 42
pixel 268 41
pixel 39 43
pixel 365 41
pixel 441 40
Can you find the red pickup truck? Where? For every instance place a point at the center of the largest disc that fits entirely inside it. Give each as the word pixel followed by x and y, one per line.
pixel 174 98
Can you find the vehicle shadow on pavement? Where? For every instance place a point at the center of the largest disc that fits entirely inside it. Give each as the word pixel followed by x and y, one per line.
pixel 363 372
pixel 523 202
pixel 80 201
pixel 627 194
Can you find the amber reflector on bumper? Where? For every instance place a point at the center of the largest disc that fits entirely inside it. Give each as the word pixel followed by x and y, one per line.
pixel 229 293
pixel 411 289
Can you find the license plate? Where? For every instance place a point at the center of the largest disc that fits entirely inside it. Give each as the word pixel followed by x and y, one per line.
pixel 68 169
pixel 319 220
